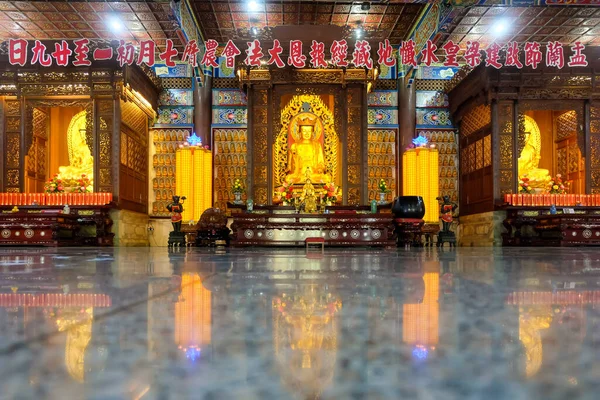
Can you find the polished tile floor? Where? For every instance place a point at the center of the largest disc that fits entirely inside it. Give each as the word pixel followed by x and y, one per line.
pixel 140 323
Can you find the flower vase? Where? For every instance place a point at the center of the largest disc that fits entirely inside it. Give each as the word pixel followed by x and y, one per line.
pixel 237 198
pixel 381 198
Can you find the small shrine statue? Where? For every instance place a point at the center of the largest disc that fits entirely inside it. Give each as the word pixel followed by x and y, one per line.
pixel 309 197
pixel 446 210
pixel 176 208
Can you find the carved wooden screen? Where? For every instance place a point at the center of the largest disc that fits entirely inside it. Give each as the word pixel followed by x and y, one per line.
pixel 133 176
pixel 569 162
pixel 477 184
pixel 506 135
pixel 35 160
pixel 260 146
pixel 104 179
pixel 354 145
pixel 594 151
pixel 12 145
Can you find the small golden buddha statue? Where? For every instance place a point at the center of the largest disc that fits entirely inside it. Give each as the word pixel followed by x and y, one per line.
pixel 306 155
pixel 309 197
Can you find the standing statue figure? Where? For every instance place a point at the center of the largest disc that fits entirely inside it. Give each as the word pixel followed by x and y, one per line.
pixel 309 198
pixel 446 210
pixel 176 208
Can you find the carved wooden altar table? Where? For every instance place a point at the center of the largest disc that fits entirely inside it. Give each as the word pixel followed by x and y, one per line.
pixel 22 228
pixel 281 226
pixel 535 226
pixel 85 225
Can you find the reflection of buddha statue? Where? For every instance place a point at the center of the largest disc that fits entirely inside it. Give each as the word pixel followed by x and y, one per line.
pixel 530 156
pixel 80 158
pixel 306 155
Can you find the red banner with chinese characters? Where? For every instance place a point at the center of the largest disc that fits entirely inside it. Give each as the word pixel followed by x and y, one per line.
pixel 552 55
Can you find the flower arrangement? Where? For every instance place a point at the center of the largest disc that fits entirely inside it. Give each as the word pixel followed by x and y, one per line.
pixel 54 185
pixel 331 193
pixel 285 192
pixel 82 185
pixel 524 186
pixel 237 186
pixel 383 186
pixel 557 186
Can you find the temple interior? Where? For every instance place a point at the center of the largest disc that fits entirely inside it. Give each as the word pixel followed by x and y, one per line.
pixel 299 199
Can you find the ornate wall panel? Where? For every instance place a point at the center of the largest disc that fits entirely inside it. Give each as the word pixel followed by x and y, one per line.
pixel 354 104
pixel 566 125
pixel 427 118
pixel 446 142
pixel 166 141
pixel 381 161
pixel 12 145
pixel 382 116
pixel 506 158
pixel 230 162
pixel 383 98
pixel 228 97
pixel 594 152
pixel 230 116
pixel 104 120
pixel 475 119
pixel 260 143
pixel 133 172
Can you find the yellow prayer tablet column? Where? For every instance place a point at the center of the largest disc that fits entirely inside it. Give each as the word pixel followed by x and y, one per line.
pixel 193 179
pixel 420 177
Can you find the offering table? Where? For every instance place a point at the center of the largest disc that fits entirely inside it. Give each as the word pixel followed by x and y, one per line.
pixel 341 226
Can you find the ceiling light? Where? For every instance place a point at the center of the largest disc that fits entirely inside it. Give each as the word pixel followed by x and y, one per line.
pixel 500 27
pixel 366 6
pixel 115 24
pixel 253 5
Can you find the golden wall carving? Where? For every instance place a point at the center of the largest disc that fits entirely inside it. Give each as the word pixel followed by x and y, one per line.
pixel 381 161
pixel 105 114
pixel 595 149
pixel 12 129
pixel 331 140
pixel 166 142
pixel 230 163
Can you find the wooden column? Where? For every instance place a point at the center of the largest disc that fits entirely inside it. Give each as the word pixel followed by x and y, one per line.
pixel 407 101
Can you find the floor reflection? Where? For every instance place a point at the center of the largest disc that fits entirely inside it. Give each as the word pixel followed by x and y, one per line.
pixel 139 323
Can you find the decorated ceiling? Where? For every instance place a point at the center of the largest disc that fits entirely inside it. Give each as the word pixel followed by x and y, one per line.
pixel 559 22
pixel 234 19
pixel 94 20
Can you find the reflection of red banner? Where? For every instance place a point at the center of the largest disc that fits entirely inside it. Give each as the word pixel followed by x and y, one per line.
pixel 546 298
pixel 54 300
pixel 533 54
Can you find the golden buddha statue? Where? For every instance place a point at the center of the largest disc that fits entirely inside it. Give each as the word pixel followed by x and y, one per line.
pixel 80 158
pixel 530 156
pixel 306 155
pixel 309 197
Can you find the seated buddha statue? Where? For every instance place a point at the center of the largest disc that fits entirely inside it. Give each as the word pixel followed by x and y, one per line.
pixel 306 156
pixel 529 158
pixel 80 158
